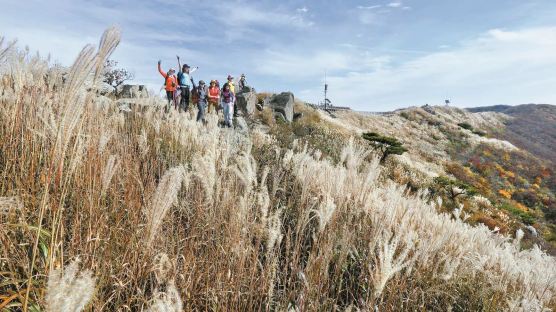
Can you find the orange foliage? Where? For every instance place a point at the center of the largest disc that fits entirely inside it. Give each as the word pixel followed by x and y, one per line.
pixel 521 207
pixel 505 193
pixel 491 223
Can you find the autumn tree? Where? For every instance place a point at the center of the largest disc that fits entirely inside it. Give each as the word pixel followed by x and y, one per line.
pixel 386 145
pixel 116 76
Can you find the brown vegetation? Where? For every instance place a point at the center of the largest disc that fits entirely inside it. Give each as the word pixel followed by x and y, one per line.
pixel 167 214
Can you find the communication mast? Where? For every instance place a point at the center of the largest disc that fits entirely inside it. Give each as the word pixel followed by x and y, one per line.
pixel 325 92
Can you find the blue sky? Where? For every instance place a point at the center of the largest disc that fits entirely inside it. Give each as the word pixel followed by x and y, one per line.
pixel 378 55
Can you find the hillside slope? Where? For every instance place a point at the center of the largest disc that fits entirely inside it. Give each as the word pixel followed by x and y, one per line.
pixel 531 127
pixel 465 146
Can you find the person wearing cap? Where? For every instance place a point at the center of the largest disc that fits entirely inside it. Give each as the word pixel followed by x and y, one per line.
pixel 202 97
pixel 170 83
pixel 184 81
pixel 230 83
pixel 242 83
pixel 213 96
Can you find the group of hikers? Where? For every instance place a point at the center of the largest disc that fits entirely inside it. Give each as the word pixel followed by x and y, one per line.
pixel 182 91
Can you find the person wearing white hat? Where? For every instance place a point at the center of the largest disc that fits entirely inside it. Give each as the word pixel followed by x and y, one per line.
pixel 170 84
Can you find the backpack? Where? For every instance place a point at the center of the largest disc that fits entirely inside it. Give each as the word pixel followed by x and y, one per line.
pixel 180 76
pixel 166 79
pixel 195 95
pixel 181 79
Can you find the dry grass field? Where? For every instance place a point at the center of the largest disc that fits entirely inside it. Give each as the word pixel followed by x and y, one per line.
pixel 102 210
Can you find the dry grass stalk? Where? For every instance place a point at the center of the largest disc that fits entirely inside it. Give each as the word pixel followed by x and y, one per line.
pixel 69 289
pixel 322 235
pixel 163 199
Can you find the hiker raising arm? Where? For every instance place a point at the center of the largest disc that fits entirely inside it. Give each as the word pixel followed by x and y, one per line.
pixel 170 83
pixel 185 82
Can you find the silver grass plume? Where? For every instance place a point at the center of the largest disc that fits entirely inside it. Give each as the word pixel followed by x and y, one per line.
pixel 162 268
pixel 108 172
pixel 72 107
pixel 8 204
pixel 4 51
pixel 391 259
pixel 69 291
pixel 168 301
pixel 325 211
pixel 108 43
pixel 165 196
pixel 142 141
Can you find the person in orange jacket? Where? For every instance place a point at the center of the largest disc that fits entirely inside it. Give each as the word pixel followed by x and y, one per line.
pixel 213 97
pixel 170 84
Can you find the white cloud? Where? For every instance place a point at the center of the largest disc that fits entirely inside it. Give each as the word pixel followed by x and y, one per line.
pixel 302 10
pixel 249 15
pixel 497 67
pixel 395 4
pixel 299 66
pixel 371 7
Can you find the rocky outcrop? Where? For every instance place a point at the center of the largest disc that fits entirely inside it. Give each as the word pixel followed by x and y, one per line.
pixel 132 91
pixel 104 89
pixel 247 102
pixel 282 105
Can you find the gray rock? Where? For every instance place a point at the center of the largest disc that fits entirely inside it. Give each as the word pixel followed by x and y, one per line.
pixel 104 89
pixel 266 101
pixel 283 103
pixel 279 116
pixel 124 107
pixel 532 230
pixel 132 91
pixel 247 102
pixel 241 124
pixel 247 89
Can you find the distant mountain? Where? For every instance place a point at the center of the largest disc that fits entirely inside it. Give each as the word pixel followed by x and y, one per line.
pixel 493 108
pixel 532 127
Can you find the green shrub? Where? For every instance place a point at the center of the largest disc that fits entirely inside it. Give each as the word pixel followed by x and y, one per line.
pixel 525 217
pixel 387 145
pixel 479 133
pixel 466 126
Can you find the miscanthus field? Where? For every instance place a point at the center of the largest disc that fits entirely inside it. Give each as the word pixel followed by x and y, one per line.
pixel 102 210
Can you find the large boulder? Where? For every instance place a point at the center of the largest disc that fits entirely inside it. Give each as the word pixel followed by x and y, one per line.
pixel 282 103
pixel 132 91
pixel 246 102
pixel 104 89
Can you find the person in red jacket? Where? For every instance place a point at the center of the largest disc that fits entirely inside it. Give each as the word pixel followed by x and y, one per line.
pixel 213 97
pixel 170 84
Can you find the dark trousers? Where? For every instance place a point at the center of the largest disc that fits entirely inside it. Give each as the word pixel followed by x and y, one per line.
pixel 184 100
pixel 201 114
pixel 170 98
